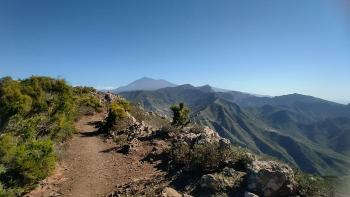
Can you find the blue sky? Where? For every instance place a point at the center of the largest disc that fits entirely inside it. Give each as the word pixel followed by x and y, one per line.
pixel 269 47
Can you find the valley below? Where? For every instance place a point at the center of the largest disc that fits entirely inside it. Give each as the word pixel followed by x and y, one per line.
pixel 307 132
pixel 173 141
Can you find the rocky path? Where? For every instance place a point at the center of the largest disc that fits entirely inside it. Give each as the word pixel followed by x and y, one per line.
pixel 92 167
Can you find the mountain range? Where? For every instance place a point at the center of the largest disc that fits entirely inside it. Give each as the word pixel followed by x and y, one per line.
pixel 145 83
pixel 306 132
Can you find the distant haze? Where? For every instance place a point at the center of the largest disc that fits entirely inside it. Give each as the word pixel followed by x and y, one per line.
pixel 147 83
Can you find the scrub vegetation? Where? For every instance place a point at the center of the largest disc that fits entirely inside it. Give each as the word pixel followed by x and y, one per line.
pixel 36 114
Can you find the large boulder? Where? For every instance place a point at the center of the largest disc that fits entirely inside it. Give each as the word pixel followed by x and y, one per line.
pixel 225 181
pixel 196 135
pixel 131 128
pixel 271 178
pixel 208 135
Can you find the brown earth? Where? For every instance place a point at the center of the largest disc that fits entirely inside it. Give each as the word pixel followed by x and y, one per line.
pixel 92 167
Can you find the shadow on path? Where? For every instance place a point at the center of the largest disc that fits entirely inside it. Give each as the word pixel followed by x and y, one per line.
pixel 90 134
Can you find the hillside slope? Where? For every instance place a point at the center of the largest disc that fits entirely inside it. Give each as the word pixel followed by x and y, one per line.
pixel 307 132
pixel 142 154
pixel 129 151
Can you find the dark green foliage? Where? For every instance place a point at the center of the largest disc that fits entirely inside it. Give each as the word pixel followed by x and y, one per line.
pixel 27 128
pixel 116 112
pixel 25 162
pixel 87 100
pixel 12 101
pixel 49 107
pixel 35 113
pixel 207 157
pixel 315 186
pixel 180 114
pixel 81 90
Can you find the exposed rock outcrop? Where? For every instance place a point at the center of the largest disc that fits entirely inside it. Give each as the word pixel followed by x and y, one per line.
pixel 170 192
pixel 225 181
pixel 271 178
pixel 251 178
pixel 198 135
pixel 132 129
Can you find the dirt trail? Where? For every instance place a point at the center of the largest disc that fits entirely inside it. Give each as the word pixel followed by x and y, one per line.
pixel 92 167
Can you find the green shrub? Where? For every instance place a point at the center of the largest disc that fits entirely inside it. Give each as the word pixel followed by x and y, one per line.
pixel 315 186
pixel 87 100
pixel 180 114
pixel 35 113
pixel 62 128
pixel 25 163
pixel 206 157
pixel 27 128
pixel 35 160
pixel 84 90
pixel 181 154
pixel 117 112
pixel 9 192
pixel 12 100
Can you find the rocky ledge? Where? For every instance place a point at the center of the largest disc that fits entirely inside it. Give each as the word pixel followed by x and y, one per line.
pixel 231 176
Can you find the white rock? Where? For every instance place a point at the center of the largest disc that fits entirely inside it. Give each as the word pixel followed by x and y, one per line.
pixel 271 178
pixel 170 192
pixel 248 194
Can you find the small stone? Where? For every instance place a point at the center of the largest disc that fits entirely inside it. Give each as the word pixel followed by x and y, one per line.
pixel 170 192
pixel 248 194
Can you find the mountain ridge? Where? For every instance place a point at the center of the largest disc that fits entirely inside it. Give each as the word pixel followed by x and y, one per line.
pixel 285 127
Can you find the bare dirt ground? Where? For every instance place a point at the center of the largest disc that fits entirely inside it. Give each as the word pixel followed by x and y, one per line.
pixel 92 168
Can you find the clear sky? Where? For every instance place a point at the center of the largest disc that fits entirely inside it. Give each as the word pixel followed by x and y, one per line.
pixel 270 47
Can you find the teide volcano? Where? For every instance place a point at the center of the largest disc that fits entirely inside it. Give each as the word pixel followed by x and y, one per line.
pixel 145 83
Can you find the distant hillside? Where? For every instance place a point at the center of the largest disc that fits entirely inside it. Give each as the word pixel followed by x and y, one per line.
pixel 305 131
pixel 145 83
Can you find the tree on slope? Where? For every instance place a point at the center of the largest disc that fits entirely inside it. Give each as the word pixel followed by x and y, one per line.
pixel 180 114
